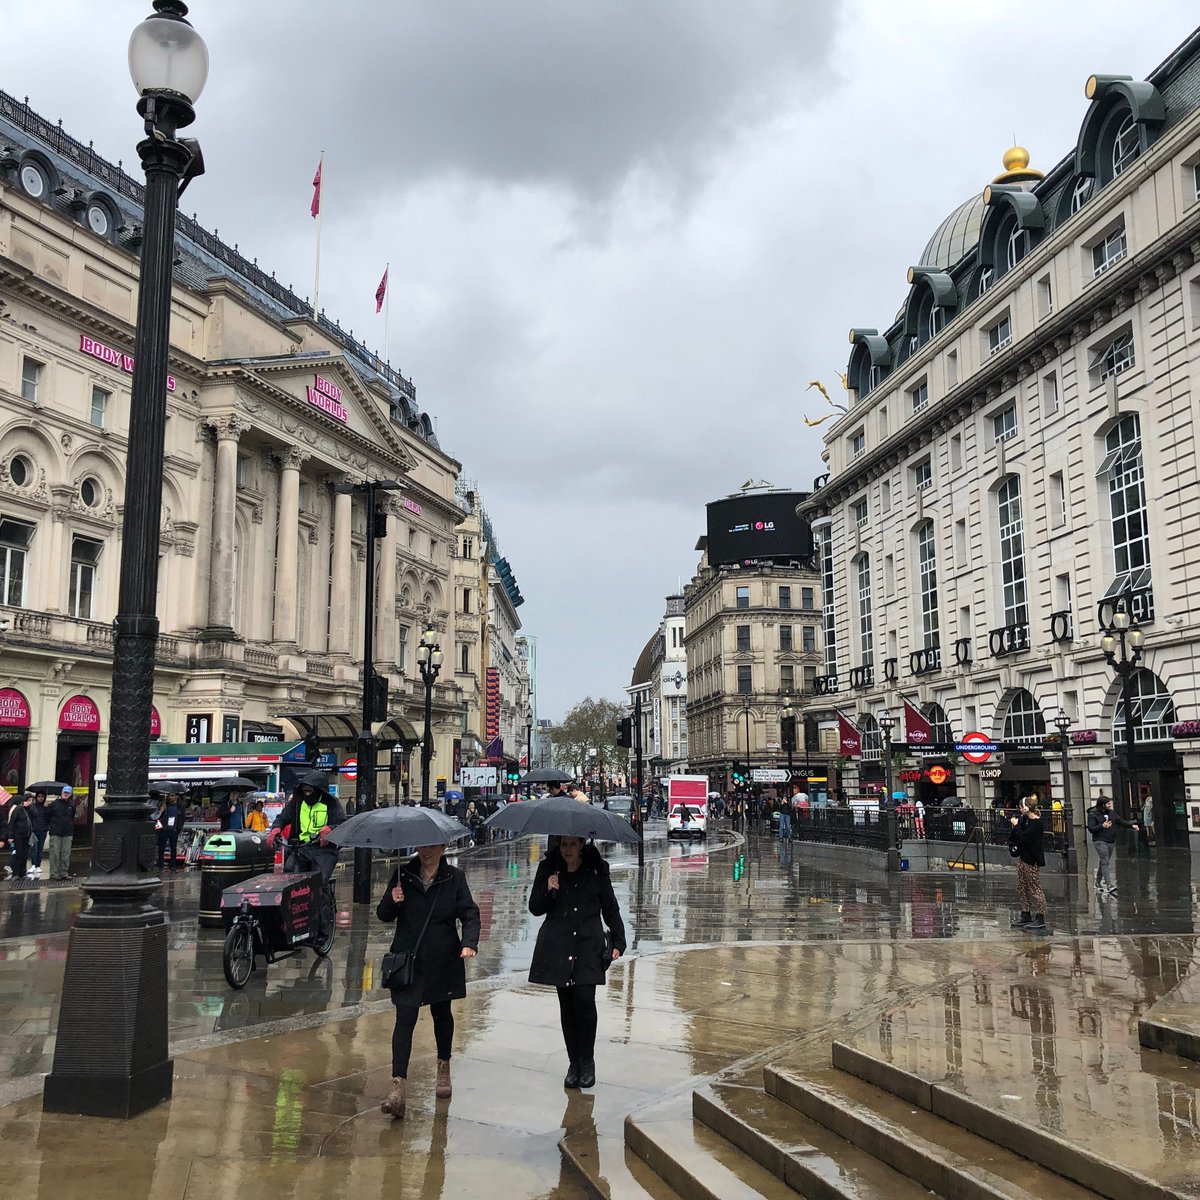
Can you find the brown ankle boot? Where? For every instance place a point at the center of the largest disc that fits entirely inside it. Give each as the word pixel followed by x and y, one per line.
pixel 443 1090
pixel 394 1104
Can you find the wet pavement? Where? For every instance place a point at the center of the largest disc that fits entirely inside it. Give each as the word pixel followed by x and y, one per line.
pixel 277 1087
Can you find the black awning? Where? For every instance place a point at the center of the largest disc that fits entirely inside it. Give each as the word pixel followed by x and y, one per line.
pixel 342 728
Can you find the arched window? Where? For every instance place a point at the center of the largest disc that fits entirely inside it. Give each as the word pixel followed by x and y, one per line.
pixel 1081 193
pixel 937 320
pixel 1126 145
pixel 985 279
pixel 1016 245
pixel 927 567
pixel 1023 722
pixel 1123 475
pixel 1012 551
pixel 866 635
pixel 827 617
pixel 1153 710
pixel 939 724
pixel 872 739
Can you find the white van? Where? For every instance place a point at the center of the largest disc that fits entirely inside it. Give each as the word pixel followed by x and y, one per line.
pixel 687 806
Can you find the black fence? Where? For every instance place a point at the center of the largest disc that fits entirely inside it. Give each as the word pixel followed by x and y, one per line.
pixel 837 826
pixel 991 826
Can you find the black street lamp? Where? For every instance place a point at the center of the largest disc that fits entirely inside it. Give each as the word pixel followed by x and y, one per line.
pixel 1062 722
pixel 1122 646
pixel 887 723
pixel 374 687
pixel 787 727
pixel 110 1058
pixel 747 703
pixel 429 660
pixel 528 750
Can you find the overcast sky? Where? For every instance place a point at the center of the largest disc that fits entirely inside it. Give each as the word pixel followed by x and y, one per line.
pixel 623 234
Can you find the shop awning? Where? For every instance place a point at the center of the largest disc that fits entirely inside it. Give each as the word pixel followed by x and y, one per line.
pixel 341 728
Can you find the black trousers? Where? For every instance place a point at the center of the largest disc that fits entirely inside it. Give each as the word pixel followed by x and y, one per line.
pixel 577 1012
pixel 402 1035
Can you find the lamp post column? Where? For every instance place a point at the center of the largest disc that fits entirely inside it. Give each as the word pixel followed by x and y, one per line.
pixel 1063 723
pixel 429 660
pixel 886 724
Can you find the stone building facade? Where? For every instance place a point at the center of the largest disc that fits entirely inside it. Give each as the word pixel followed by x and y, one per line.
pixel 1017 466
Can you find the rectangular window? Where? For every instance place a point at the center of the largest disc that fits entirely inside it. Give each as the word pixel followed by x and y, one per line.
pixel 922 474
pixel 1112 358
pixel 466 597
pixel 885 495
pixel 468 547
pixel 464 660
pixel 433 549
pixel 883 423
pixel 859 512
pixel 951 369
pixel 743 597
pixel 1109 251
pixel 999 335
pixel 99 407
pixel 1062 592
pixel 1196 182
pixel 242 472
pixel 85 553
pixel 15 537
pixel 1050 393
pixel 956 453
pixel 809 675
pixel 1058 501
pixel 866 635
pixel 745 684
pixel 402 649
pixel 809 634
pixel 412 539
pixel 889 575
pixel 785 638
pixel 743 638
pixel 785 597
pixel 787 678
pixel 806 599
pixel 1004 424
pixel 960 542
pixel 858 444
pixel 31 378
pixel 920 396
pixel 1045 296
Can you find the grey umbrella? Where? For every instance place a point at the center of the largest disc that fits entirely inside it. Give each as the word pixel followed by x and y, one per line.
pixel 398 829
pixel 565 817
pixel 546 775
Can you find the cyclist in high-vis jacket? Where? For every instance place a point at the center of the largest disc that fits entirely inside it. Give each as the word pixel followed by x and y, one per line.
pixel 311 812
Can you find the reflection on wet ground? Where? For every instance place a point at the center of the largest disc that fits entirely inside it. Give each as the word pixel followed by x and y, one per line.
pixel 686 895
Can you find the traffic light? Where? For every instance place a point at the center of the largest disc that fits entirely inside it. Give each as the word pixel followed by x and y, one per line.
pixel 380 523
pixel 312 747
pixel 513 775
pixel 787 728
pixel 738 773
pixel 625 732
pixel 379 697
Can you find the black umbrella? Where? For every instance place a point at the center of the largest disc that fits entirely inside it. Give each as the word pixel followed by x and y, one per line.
pixel 48 786
pixel 566 817
pixel 398 828
pixel 168 787
pixel 239 783
pixel 546 775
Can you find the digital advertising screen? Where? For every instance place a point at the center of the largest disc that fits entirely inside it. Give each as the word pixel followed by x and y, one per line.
pixel 757 527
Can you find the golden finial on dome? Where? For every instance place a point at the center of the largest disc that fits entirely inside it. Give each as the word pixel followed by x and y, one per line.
pixel 1016 167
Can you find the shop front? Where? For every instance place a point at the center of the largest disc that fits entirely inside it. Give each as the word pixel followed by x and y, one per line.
pixel 1022 774
pixel 15 721
pixel 75 760
pixel 930 781
pixel 1159 775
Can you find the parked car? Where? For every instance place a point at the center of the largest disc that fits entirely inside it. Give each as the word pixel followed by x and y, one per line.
pixel 624 805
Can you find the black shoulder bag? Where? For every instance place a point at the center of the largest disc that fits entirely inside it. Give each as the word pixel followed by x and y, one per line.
pixel 399 968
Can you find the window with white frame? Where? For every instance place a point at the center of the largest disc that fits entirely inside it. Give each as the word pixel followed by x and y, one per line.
pixel 828 628
pixel 858 511
pixel 927 570
pixel 985 279
pixel 1045 296
pixel 99 409
pixel 876 377
pixel 402 649
pixel 866 636
pixel 920 395
pixel 1153 710
pixel 937 320
pixel 858 443
pixel 1050 398
pixel 1018 243
pixel 1124 476
pixel 85 554
pixel 1109 250
pixel 1058 500
pixel 15 539
pixel 1081 193
pixel 922 474
pixel 999 335
pixel 31 378
pixel 1196 182
pixel 1004 424
pixel 1126 145
pixel 1024 721
pixel 1012 551
pixel 808 635
pixel 1113 357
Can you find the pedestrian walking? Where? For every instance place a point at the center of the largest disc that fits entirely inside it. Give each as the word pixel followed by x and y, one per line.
pixel 62 833
pixel 167 828
pixel 1103 823
pixel 39 816
pixel 919 817
pixel 785 819
pixel 437 921
pixel 573 891
pixel 20 832
pixel 1031 857
pixel 1148 818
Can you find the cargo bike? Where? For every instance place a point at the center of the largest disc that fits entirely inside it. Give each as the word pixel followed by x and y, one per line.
pixel 273 917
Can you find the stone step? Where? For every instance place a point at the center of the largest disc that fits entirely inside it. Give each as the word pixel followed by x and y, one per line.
pixel 608 1171
pixel 816 1163
pixel 951 1162
pixel 1085 1152
pixel 697 1162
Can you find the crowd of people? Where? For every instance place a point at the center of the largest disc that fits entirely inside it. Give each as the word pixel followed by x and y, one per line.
pixel 31 822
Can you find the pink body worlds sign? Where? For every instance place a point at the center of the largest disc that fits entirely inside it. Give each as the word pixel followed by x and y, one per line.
pixel 80 714
pixel 327 396
pixel 114 358
pixel 14 709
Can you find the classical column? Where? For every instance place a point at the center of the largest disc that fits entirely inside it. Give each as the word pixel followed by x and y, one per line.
pixel 385 610
pixel 343 567
pixel 221 578
pixel 288 545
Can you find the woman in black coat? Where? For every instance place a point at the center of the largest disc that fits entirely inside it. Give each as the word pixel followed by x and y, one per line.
pixel 427 893
pixel 1031 857
pixel 572 889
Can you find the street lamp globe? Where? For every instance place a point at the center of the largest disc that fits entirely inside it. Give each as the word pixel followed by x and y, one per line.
pixel 1120 619
pixel 1135 637
pixel 166 55
pixel 1062 721
pixel 423 653
pixel 436 657
pixel 1108 643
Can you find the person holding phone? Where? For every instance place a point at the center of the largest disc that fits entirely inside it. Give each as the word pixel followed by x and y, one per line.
pixel 573 891
pixel 1103 824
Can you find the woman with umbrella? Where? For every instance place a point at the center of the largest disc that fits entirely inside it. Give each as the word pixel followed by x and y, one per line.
pixel 573 891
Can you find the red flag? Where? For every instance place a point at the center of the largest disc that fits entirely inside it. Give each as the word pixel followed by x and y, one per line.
pixel 381 291
pixel 316 200
pixel 849 738
pixel 917 731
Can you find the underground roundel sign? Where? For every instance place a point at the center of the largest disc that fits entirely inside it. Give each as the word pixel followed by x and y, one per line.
pixel 983 753
pixel 350 768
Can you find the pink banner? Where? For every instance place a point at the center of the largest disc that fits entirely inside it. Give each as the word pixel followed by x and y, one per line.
pixel 14 709
pixel 917 731
pixel 80 714
pixel 849 738
pixel 491 717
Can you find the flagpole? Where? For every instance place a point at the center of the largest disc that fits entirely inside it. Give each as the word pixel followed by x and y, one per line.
pixel 320 214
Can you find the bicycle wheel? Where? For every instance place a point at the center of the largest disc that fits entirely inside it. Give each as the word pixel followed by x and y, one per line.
pixel 323 942
pixel 238 957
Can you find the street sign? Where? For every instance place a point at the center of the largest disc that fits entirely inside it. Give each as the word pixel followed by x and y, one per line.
pixel 977 747
pixel 326 761
pixel 478 777
pixel 768 775
pixel 350 768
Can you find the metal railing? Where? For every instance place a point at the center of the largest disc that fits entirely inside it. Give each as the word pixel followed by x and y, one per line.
pixel 840 826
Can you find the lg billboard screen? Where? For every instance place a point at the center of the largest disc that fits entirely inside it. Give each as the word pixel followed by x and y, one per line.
pixel 744 528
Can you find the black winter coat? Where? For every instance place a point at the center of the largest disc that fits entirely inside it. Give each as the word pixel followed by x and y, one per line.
pixel 441 973
pixel 62 817
pixel 39 817
pixel 1027 833
pixel 571 944
pixel 1095 823
pixel 20 827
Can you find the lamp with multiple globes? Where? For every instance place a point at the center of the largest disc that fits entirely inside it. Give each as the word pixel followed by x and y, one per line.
pixel 1122 646
pixel 887 724
pixel 429 663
